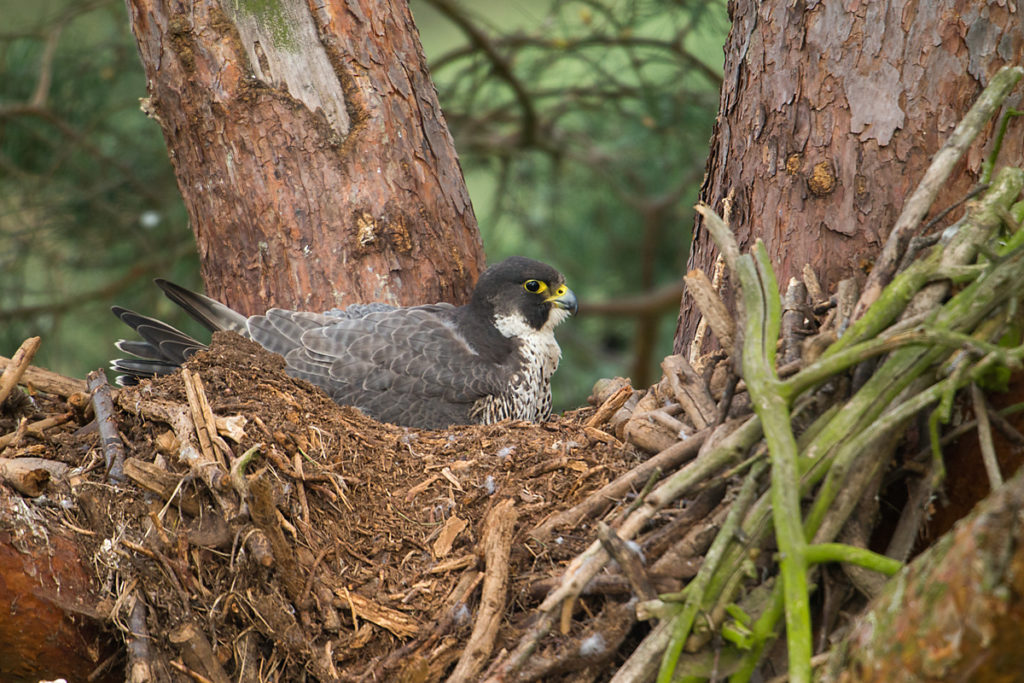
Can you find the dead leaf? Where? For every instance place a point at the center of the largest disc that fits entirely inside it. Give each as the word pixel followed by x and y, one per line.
pixel 452 528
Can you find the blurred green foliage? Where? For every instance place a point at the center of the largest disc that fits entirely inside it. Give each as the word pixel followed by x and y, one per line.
pixel 89 208
pixel 582 129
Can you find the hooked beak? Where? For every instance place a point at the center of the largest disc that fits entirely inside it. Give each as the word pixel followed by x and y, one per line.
pixel 563 297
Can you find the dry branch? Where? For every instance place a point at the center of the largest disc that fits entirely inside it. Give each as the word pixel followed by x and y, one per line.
pixel 103 407
pixel 629 562
pixel 609 407
pixel 402 625
pixel 155 478
pixel 202 418
pixel 712 308
pixel 18 365
pixel 37 428
pixel 689 390
pixel 499 527
pixel 30 476
pixel 45 380
pixel 600 500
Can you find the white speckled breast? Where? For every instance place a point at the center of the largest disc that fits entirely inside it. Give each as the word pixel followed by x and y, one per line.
pixel 528 396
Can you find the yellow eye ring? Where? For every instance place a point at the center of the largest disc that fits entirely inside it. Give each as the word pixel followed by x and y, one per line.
pixel 535 286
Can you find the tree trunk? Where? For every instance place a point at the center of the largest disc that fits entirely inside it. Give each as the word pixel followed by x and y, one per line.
pixel 51 625
pixel 310 150
pixel 830 114
pixel 955 614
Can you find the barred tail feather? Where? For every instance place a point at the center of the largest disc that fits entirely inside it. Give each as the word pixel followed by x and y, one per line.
pixel 163 349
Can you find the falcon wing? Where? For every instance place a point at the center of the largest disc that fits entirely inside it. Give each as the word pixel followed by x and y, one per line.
pixel 408 366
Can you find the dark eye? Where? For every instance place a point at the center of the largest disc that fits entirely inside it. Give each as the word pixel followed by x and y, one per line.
pixel 534 286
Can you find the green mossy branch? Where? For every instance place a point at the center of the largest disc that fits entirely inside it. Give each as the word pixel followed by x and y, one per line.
pixel 697 589
pixel 862 557
pixel 953 343
pixel 762 310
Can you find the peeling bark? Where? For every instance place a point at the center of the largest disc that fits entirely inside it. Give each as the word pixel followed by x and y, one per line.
pixel 311 152
pixel 830 114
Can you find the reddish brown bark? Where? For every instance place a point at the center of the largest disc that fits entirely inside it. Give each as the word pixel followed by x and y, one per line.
pixel 310 150
pixel 830 114
pixel 49 628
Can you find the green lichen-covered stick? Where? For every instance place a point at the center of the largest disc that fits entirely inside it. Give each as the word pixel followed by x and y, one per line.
pixel 762 317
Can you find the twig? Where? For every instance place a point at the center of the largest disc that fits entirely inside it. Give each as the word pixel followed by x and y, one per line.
pixel 499 527
pixel 140 656
pixel 682 624
pixel 762 311
pixel 988 449
pixel 45 380
pixel 793 329
pixel 1008 431
pixel 853 514
pixel 606 584
pixel 814 290
pixel 718 276
pixel 194 675
pixel 909 524
pixel 300 489
pixel 700 510
pixel 610 406
pixel 19 363
pixel 629 562
pixel 712 308
pixel 722 235
pixel 834 364
pixel 989 164
pixel 665 461
pixel 862 557
pixel 103 406
pixel 916 244
pixel 36 428
pixel 202 418
pixel 643 663
pixel 728 393
pixel 191 641
pixel 169 570
pixel 846 301
pixel 688 389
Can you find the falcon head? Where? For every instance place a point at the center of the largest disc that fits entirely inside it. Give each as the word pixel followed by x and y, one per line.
pixel 524 297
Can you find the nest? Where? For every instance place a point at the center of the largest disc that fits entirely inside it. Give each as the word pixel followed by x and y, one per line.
pixel 256 526
pixel 241 526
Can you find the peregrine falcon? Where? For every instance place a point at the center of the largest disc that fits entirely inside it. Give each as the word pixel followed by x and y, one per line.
pixel 422 366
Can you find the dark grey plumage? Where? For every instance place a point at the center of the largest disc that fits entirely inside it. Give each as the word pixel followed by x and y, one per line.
pixel 423 366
